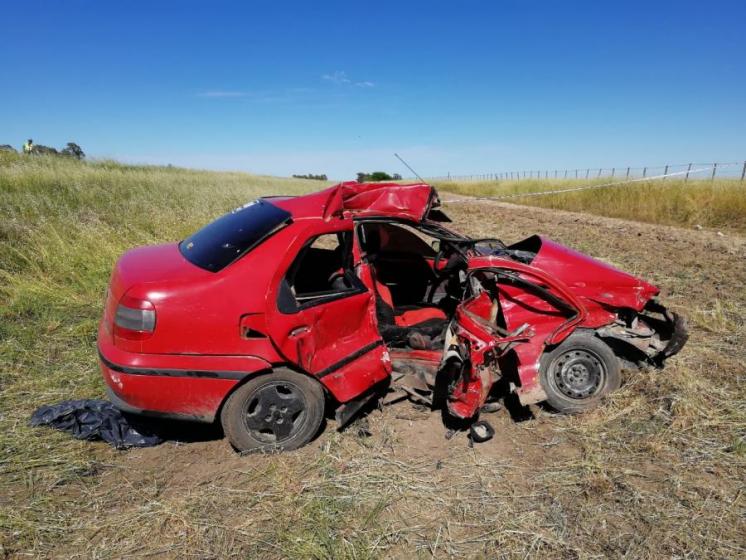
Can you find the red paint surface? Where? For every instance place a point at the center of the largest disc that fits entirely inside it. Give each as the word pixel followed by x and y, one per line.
pixel 202 318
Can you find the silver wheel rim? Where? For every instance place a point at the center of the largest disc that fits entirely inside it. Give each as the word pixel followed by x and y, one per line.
pixel 275 412
pixel 578 374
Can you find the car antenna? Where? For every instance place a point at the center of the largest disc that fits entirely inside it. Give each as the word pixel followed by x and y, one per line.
pixel 408 167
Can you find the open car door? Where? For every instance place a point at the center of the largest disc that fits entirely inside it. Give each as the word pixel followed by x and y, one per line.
pixel 321 317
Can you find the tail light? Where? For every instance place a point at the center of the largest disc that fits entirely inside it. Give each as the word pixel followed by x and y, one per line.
pixel 134 318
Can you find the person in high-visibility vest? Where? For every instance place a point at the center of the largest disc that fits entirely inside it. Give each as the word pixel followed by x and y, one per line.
pixel 28 146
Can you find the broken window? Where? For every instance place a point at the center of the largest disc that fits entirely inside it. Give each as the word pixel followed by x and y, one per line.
pixel 322 271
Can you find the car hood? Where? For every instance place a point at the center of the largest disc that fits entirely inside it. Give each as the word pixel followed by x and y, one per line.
pixel 587 277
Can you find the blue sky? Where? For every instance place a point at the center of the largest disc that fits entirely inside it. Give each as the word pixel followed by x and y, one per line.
pixel 337 87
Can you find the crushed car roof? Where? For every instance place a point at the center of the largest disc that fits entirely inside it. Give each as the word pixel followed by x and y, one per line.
pixel 415 201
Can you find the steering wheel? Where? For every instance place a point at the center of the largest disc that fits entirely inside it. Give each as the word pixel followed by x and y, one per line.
pixel 336 275
pixel 451 266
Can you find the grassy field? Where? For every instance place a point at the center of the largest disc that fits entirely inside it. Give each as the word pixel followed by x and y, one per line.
pixel 719 204
pixel 658 471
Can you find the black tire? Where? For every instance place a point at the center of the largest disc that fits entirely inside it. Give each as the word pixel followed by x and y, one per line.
pixel 578 373
pixel 278 411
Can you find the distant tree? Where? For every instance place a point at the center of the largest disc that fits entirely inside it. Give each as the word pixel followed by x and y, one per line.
pixel 41 150
pixel 380 176
pixel 313 177
pixel 363 177
pixel 7 148
pixel 73 150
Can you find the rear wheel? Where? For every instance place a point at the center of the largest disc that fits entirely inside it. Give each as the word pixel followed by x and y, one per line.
pixel 279 411
pixel 578 373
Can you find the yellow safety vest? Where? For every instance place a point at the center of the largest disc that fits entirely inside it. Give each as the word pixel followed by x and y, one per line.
pixel 27 147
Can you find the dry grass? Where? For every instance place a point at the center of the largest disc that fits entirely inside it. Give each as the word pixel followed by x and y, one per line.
pixel 657 472
pixel 720 204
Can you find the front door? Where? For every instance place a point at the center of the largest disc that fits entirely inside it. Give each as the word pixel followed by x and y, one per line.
pixel 322 317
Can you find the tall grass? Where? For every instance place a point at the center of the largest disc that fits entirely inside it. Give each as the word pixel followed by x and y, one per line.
pixel 657 472
pixel 717 204
pixel 63 224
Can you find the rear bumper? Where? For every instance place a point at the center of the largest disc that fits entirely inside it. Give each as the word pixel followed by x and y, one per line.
pixel 174 386
pixel 129 409
pixel 165 396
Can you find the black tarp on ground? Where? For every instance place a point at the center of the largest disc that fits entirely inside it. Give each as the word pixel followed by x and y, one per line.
pixel 93 419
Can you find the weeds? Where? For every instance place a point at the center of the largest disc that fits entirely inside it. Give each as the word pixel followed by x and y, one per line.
pixel 656 472
pixel 717 204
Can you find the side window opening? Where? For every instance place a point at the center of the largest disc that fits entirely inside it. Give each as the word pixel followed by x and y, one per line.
pixel 399 254
pixel 323 270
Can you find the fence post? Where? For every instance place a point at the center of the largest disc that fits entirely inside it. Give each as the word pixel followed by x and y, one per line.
pixel 743 173
pixel 665 172
pixel 555 171
pixel 627 177
pixel 613 170
pixel 599 172
pixel 565 173
pixel 546 174
pixel 688 169
pixel 586 173
pixel 644 172
pixel 714 170
pixel 576 173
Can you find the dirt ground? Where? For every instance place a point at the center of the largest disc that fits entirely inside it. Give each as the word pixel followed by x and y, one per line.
pixel 657 471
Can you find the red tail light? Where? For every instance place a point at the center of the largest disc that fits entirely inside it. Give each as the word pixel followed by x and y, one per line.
pixel 134 318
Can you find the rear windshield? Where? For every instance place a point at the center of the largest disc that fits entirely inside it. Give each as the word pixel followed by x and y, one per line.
pixel 226 239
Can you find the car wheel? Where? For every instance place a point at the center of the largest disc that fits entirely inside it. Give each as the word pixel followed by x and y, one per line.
pixel 578 373
pixel 279 411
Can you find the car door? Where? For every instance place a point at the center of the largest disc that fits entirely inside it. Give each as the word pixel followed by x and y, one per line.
pixel 322 317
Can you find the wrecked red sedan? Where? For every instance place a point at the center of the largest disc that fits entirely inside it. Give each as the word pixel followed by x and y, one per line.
pixel 288 307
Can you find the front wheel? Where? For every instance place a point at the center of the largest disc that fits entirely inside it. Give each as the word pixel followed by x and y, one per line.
pixel 279 411
pixel 578 373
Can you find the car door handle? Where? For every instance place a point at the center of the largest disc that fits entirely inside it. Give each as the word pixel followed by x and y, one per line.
pixel 297 331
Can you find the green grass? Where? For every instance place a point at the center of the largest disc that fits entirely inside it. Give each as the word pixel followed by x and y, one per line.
pixel 656 472
pixel 719 204
pixel 63 226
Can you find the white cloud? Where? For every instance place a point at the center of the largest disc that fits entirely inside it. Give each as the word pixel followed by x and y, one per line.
pixel 341 78
pixel 337 77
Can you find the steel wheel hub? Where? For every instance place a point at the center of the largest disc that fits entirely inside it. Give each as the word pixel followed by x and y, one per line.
pixel 275 412
pixel 579 374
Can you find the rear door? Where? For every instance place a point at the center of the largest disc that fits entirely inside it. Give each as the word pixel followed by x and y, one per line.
pixel 321 317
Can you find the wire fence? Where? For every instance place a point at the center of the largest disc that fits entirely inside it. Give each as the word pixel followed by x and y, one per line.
pixel 709 171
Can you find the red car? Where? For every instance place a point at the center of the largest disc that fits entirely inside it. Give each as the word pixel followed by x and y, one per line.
pixel 291 306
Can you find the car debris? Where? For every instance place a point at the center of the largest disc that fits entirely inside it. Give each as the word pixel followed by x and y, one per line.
pixel 289 306
pixel 481 431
